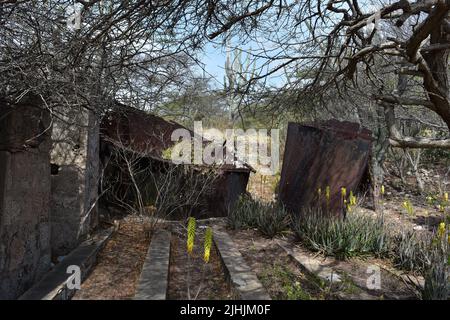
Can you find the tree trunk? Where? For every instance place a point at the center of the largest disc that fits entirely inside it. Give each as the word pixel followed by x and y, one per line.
pixel 378 154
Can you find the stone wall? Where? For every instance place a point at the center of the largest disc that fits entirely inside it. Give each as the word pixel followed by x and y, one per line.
pixel 74 187
pixel 24 198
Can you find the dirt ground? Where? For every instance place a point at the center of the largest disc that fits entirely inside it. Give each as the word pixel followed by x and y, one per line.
pixel 284 278
pixel 281 277
pixel 426 214
pixel 119 264
pixel 206 280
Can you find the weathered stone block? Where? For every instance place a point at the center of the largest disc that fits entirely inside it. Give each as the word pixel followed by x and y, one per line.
pixel 75 186
pixel 24 197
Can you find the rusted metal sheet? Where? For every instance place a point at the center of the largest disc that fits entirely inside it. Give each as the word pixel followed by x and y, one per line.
pixel 139 130
pixel 321 154
pixel 150 135
pixel 228 187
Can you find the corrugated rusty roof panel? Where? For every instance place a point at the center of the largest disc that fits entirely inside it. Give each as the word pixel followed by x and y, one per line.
pixel 142 132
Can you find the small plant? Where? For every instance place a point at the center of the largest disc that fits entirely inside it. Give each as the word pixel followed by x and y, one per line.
pixel 190 235
pixel 244 214
pixel 407 205
pixel 208 244
pixel 410 251
pixel 269 218
pixel 357 234
pixel 287 284
pixel 436 272
pixel 191 232
pixel 427 255
pixel 294 291
pixel 273 220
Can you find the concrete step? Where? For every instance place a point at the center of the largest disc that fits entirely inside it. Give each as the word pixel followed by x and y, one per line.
pixel 243 280
pixel 54 285
pixel 154 277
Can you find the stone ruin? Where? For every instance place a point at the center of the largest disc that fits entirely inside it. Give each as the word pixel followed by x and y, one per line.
pixel 45 210
pixel 49 172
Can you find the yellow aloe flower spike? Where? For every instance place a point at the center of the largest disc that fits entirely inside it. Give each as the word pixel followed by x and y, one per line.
pixel 441 230
pixel 349 207
pixel 208 244
pixel 344 192
pixel 382 189
pixel 408 207
pixel 446 197
pixel 352 199
pixel 327 193
pixel 191 234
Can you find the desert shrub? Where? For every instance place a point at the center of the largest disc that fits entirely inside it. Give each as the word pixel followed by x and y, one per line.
pixel 410 251
pixel 273 220
pixel 269 218
pixel 357 234
pixel 243 214
pixel 427 255
pixel 436 275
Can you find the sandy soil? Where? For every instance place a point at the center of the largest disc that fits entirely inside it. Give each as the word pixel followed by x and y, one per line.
pixel 284 279
pixel 119 264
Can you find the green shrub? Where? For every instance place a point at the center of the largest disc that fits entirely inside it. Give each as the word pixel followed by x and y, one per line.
pixel 436 275
pixel 244 213
pixel 273 220
pixel 357 234
pixel 427 255
pixel 410 251
pixel 269 218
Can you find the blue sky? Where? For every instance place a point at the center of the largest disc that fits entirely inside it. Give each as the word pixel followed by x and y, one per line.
pixel 214 61
pixel 214 57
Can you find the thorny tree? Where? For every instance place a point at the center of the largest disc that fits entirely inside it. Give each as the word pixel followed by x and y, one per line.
pixel 154 188
pixel 319 45
pixel 393 53
pixel 121 43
